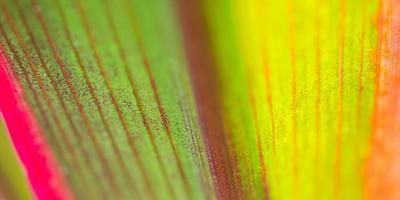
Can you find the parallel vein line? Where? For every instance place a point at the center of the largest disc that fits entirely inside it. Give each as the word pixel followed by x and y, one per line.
pixel 160 107
pixel 121 118
pixel 92 92
pixel 40 83
pixel 138 100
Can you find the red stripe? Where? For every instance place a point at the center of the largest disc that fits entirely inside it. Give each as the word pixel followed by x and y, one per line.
pixel 40 165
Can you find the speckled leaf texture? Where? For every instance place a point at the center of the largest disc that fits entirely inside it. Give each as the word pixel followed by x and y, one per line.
pixel 200 99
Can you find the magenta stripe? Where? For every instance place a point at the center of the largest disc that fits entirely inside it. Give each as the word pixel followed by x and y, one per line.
pixel 42 170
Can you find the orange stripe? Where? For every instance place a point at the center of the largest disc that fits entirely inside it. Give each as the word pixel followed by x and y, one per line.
pixel 337 166
pixel 359 78
pixel 382 179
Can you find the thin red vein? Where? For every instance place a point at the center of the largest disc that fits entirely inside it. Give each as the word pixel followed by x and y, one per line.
pixel 197 153
pixel 160 107
pixel 269 99
pixel 61 64
pixel 100 65
pixel 263 174
pixel 265 67
pixel 36 102
pixel 92 92
pixel 30 87
pixel 52 81
pixel 39 80
pixel 138 100
pixel 70 154
pixel 204 81
pixel 33 151
pixel 33 68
